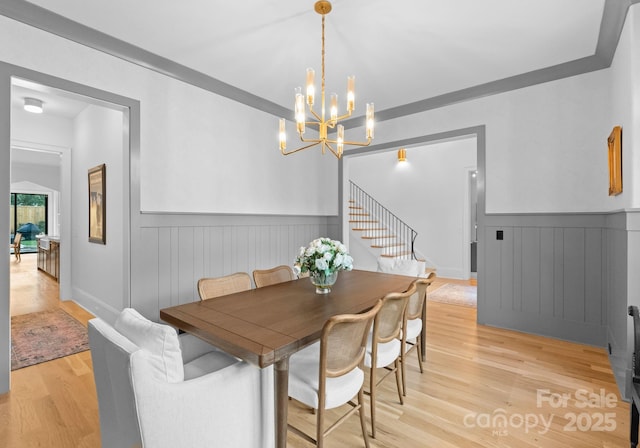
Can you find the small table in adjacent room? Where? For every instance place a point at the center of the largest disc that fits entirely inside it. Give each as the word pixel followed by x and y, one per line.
pixel 265 326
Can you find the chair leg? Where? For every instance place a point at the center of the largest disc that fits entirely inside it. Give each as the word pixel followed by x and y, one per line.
pixel 397 368
pixel 372 399
pixel 363 422
pixel 403 362
pixel 419 349
pixel 634 424
pixel 320 428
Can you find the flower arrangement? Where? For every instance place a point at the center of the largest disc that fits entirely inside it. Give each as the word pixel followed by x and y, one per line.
pixel 324 256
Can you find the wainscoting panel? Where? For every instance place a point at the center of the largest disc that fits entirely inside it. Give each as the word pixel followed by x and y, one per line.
pixel 568 276
pixel 545 276
pixel 174 251
pixel 617 252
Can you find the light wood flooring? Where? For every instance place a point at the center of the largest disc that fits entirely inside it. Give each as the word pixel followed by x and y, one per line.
pixel 475 378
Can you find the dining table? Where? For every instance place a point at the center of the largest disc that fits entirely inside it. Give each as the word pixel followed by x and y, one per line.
pixel 265 326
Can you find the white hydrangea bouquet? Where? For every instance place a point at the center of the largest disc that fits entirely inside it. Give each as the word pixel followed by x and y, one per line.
pixel 322 259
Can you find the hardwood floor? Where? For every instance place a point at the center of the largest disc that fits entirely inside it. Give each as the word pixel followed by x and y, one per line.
pixel 476 378
pixel 52 404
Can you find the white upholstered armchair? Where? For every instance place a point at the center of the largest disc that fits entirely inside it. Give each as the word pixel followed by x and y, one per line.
pixel 157 389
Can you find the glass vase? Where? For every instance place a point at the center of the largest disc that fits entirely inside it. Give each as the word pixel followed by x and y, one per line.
pixel 323 282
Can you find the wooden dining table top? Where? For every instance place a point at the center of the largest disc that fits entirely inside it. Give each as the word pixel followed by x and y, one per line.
pixel 264 325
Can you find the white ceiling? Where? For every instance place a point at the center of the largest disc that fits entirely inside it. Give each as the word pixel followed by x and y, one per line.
pixel 400 52
pixel 53 102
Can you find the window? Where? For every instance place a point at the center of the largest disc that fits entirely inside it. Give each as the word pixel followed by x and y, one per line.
pixel 29 216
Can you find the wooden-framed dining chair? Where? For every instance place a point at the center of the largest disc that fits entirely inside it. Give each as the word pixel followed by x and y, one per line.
pixel 413 325
pixel 384 345
pixel 635 378
pixel 16 245
pixel 330 373
pixel 279 274
pixel 212 287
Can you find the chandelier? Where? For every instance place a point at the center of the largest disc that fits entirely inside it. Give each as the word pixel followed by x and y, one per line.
pixel 336 146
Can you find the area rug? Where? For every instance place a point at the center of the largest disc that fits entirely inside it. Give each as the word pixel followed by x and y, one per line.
pixel 453 294
pixel 43 336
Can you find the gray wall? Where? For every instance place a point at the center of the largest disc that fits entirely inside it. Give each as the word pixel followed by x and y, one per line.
pixel 171 252
pixel 567 276
pixel 546 275
pixel 616 259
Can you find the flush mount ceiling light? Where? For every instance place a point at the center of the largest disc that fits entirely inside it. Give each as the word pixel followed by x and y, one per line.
pixel 402 155
pixel 33 105
pixel 336 145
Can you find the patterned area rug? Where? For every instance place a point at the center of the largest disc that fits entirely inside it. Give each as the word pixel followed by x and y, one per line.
pixel 453 294
pixel 40 337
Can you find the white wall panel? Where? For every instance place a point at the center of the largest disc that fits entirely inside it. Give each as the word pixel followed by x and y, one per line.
pixel 97 278
pixel 545 144
pixel 200 152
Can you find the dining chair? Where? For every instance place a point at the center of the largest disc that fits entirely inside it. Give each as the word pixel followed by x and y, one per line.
pixel 17 239
pixel 635 379
pixel 212 287
pixel 329 373
pixel 158 389
pixel 279 274
pixel 414 325
pixel 383 345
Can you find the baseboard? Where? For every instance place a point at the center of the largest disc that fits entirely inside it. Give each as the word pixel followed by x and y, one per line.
pixel 94 305
pixel 457 274
pixel 549 326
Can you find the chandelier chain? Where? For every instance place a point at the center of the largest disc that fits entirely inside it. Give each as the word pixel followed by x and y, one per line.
pixel 322 91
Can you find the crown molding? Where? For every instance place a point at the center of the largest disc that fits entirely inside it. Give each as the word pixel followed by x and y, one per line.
pixel 43 19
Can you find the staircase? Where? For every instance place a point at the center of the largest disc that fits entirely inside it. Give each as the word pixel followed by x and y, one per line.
pixel 387 235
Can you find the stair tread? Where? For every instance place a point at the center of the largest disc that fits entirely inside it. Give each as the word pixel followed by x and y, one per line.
pixel 382 246
pixel 368 237
pixel 364 229
pixel 395 254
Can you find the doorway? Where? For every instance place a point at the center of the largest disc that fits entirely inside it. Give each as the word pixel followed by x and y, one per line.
pixel 476 132
pixel 40 163
pixel 35 206
pixel 429 191
pixel 29 218
pixel 473 225
pixel 73 202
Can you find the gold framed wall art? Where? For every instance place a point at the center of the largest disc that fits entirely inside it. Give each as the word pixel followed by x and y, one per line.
pixel 614 143
pixel 97 204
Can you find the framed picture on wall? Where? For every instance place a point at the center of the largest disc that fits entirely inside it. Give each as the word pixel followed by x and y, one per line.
pixel 97 204
pixel 614 143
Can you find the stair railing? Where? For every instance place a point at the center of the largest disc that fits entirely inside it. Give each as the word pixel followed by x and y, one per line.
pixel 384 219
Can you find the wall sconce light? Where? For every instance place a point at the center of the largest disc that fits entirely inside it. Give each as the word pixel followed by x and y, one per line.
pixel 402 155
pixel 33 105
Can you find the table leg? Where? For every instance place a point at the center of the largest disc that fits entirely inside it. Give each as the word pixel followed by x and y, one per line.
pixel 281 384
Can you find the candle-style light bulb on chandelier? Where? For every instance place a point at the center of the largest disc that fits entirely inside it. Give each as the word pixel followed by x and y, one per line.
pixel 336 145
